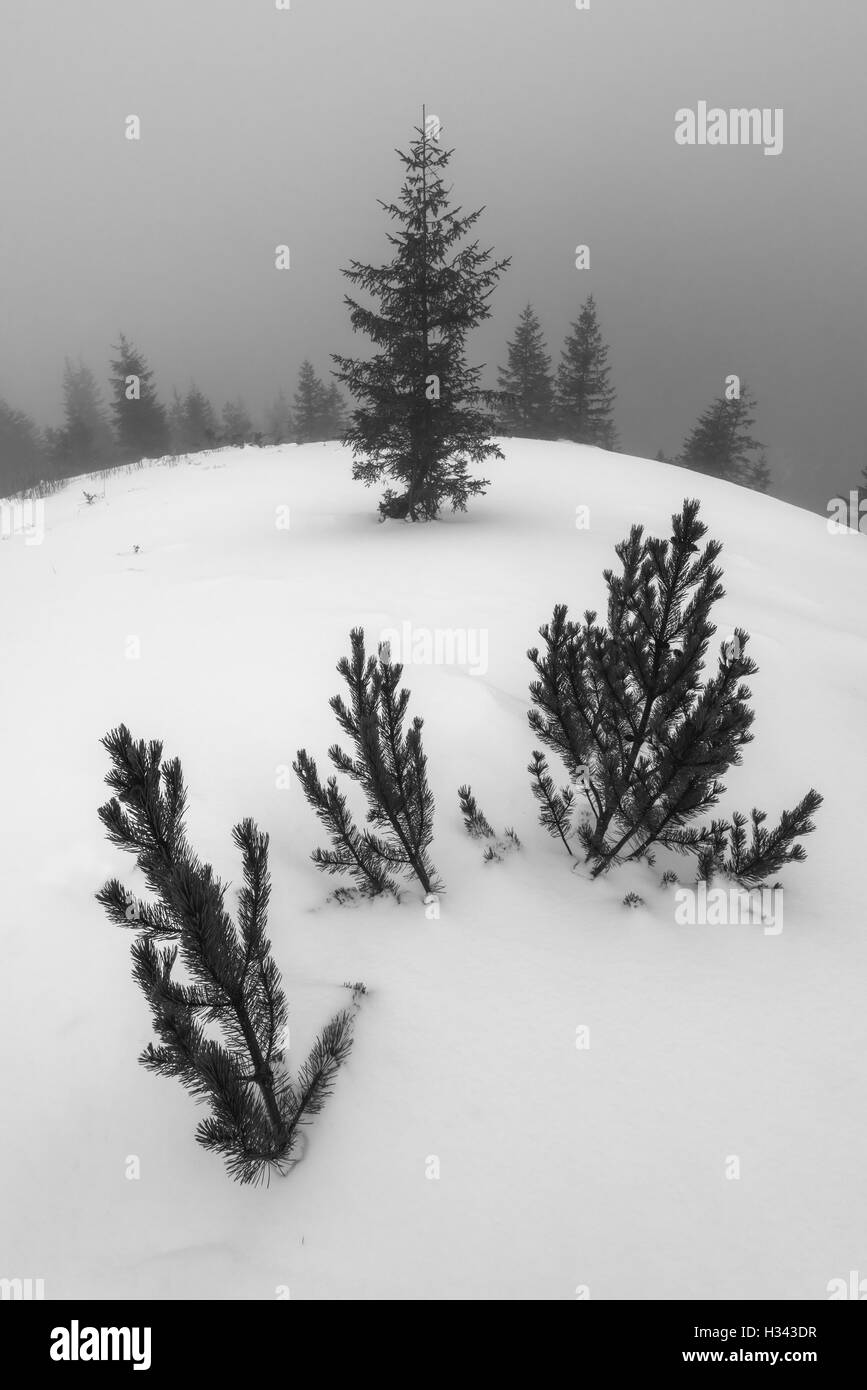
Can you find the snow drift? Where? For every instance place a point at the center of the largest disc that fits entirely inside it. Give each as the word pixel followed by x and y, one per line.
pixel 547 1090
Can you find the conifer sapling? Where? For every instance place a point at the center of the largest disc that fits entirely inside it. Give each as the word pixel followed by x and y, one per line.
pixel 475 820
pixel 478 827
pixel 644 738
pixel 391 768
pixel 220 1030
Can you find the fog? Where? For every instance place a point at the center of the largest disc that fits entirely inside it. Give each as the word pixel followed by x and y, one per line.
pixel 262 127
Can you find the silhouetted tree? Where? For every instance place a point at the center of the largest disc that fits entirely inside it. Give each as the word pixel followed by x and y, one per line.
pixel 333 412
pixel 309 405
pixel 721 444
pixel 199 428
pixel 422 421
pixel 175 421
pixel 140 419
pixel 279 426
pixel 24 457
pixel 584 395
pixel 526 385
pixel 86 441
pixel 237 426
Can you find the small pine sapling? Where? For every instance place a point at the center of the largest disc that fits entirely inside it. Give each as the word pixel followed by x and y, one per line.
pixel 751 863
pixel 642 734
pixel 390 766
pixel 555 812
pixel 352 851
pixel 476 822
pixel 221 1031
pixel 497 849
pixel 479 828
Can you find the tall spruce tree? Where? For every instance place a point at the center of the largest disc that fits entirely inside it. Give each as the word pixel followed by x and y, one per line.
pixel 584 394
pixel 237 427
pixel 279 425
pixel 26 457
pixel 526 385
pixel 175 421
pixel 309 405
pixel 86 442
pixel 333 412
pixel 422 422
pixel 199 428
pixel 140 420
pixel 721 444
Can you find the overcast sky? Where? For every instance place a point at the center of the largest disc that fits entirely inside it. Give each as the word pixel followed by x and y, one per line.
pixel 261 127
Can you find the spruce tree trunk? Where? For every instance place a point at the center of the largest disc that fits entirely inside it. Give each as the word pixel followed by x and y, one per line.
pixel 421 460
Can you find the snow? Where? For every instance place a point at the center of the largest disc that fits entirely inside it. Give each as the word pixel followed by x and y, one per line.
pixel 561 1168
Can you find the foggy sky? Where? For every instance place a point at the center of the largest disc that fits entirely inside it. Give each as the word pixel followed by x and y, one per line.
pixel 262 127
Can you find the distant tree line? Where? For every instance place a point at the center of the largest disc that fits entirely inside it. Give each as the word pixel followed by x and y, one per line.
pixel 137 424
pixel 577 402
pixel 421 417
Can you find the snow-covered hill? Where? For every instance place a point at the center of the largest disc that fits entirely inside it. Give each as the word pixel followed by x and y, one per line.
pixel 181 604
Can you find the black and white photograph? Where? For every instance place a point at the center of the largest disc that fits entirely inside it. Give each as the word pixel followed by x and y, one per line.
pixel 433 548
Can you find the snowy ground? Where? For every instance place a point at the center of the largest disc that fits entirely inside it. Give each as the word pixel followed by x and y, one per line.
pixel 559 1167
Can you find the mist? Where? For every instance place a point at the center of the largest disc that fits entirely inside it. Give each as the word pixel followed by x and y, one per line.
pixel 263 127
